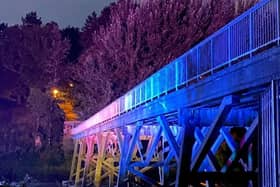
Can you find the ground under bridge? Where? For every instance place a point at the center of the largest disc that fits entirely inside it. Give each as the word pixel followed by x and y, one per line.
pixel 210 117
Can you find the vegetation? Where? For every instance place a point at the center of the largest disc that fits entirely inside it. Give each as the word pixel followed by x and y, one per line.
pixel 129 41
pixel 30 55
pixel 112 53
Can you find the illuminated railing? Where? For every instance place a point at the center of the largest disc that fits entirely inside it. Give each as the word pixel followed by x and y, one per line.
pixel 252 31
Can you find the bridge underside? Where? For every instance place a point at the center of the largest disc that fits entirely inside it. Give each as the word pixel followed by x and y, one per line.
pixel 223 130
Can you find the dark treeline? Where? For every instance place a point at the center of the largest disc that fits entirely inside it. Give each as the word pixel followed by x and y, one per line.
pixel 109 55
pixel 31 127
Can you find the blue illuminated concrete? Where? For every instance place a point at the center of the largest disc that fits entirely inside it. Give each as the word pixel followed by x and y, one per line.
pixel 192 104
pixel 255 72
pixel 248 74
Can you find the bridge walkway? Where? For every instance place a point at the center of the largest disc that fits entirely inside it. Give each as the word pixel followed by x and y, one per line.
pixel 209 117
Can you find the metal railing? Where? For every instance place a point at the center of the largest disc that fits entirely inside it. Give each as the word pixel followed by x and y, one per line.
pixel 253 30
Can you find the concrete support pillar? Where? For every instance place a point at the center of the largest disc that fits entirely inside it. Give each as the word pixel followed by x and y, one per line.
pixel 74 160
pixel 184 165
pixel 270 137
pixel 124 146
pixel 101 141
pixel 111 172
pixel 89 152
pixel 79 163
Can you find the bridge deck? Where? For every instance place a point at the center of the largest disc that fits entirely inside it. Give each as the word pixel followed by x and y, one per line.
pixel 260 30
pixel 199 114
pixel 249 74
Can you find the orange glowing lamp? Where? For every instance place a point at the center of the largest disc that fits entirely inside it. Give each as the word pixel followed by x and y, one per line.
pixel 55 92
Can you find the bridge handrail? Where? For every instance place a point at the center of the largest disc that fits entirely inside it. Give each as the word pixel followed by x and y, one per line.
pixel 252 31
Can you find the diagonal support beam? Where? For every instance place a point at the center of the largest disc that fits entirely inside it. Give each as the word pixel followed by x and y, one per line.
pixel 153 147
pixel 147 179
pixel 122 164
pixel 102 141
pixel 127 150
pixel 119 138
pixel 188 123
pixel 139 148
pixel 74 159
pixel 133 142
pixel 211 158
pixel 79 162
pixel 213 133
pixel 171 154
pixel 169 136
pixel 229 140
pixel 244 144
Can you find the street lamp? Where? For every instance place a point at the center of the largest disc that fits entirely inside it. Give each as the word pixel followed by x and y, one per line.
pixel 55 92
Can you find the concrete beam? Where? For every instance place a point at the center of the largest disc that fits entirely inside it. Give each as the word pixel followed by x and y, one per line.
pixel 213 132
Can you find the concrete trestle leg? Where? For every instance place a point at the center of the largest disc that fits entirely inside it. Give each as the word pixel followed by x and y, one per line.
pixel 270 136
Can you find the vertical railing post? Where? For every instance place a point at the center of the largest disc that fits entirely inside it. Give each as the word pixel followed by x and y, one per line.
pixel 278 21
pixel 212 55
pixel 135 96
pixel 152 87
pixel 197 63
pixel 250 34
pixel 165 80
pixel 186 64
pixel 139 95
pixel 229 45
pixel 177 74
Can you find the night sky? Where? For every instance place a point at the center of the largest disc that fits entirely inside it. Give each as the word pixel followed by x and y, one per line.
pixel 64 12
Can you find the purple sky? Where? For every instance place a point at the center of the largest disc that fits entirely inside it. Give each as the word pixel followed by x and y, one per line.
pixel 64 12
